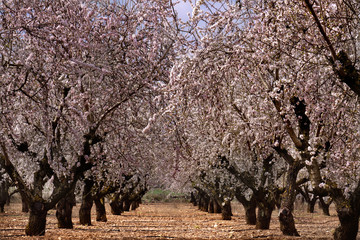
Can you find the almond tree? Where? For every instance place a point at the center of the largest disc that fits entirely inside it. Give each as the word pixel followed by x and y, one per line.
pixel 274 48
pixel 68 67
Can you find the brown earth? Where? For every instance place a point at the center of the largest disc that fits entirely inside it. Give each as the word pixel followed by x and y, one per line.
pixel 167 221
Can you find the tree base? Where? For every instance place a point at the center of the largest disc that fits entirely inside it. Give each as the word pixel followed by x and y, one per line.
pixel 37 220
pixel 287 223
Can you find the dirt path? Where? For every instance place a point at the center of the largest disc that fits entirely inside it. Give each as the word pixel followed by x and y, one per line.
pixel 167 221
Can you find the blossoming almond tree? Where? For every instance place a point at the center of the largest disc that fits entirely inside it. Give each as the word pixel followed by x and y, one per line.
pixel 276 48
pixel 68 67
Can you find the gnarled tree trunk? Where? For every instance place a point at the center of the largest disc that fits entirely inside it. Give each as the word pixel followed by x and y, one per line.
pixel 265 209
pixel 250 214
pixel 100 209
pixel 348 211
pixel 286 218
pixel 250 208
pixel 37 219
pixel 311 205
pixel 193 199
pixel 135 204
pixel 211 206
pixel 349 225
pixel 64 211
pixel 127 204
pixel 24 203
pixel 217 207
pixel 86 204
pixel 4 194
pixel 115 205
pixel 226 212
pixel 325 206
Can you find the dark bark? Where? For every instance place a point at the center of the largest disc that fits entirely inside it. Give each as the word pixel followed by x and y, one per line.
pixel 264 215
pixel 4 193
pixel 24 205
pixel 325 206
pixel 193 199
pixel 211 206
pixel 349 225
pixel 64 211
pixel 203 202
pixel 348 211
pixel 249 207
pixel 100 210
pixel 127 204
pixel 217 207
pixel 250 214
pixel 311 205
pixel 115 205
pixel 286 218
pixel 86 203
pixel 37 219
pixel 135 204
pixel 226 212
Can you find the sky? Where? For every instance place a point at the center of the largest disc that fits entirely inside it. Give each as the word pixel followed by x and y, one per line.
pixel 183 9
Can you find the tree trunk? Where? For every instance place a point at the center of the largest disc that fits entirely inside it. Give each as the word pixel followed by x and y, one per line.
pixel 217 207
pixel 211 206
pixel 193 199
pixel 86 204
pixel 287 223
pixel 325 206
pixel 116 207
pixel 250 208
pixel 203 203
pixel 349 225
pixel 127 204
pixel 226 212
pixel 134 204
pixel 264 215
pixel 37 220
pixel 64 211
pixel 24 203
pixel 100 210
pixel 4 194
pixel 311 205
pixel 250 214
pixel 24 206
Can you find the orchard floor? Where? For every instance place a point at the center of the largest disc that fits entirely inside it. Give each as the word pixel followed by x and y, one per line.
pixel 167 221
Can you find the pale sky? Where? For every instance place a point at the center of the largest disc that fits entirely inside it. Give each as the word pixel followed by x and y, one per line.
pixel 183 9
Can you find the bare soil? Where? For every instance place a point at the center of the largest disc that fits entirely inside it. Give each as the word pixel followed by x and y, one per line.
pixel 167 221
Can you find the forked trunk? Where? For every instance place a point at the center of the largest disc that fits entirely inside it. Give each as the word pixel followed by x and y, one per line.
pixel 100 210
pixel 64 211
pixel 37 220
pixel 226 212
pixel 264 215
pixel 86 204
